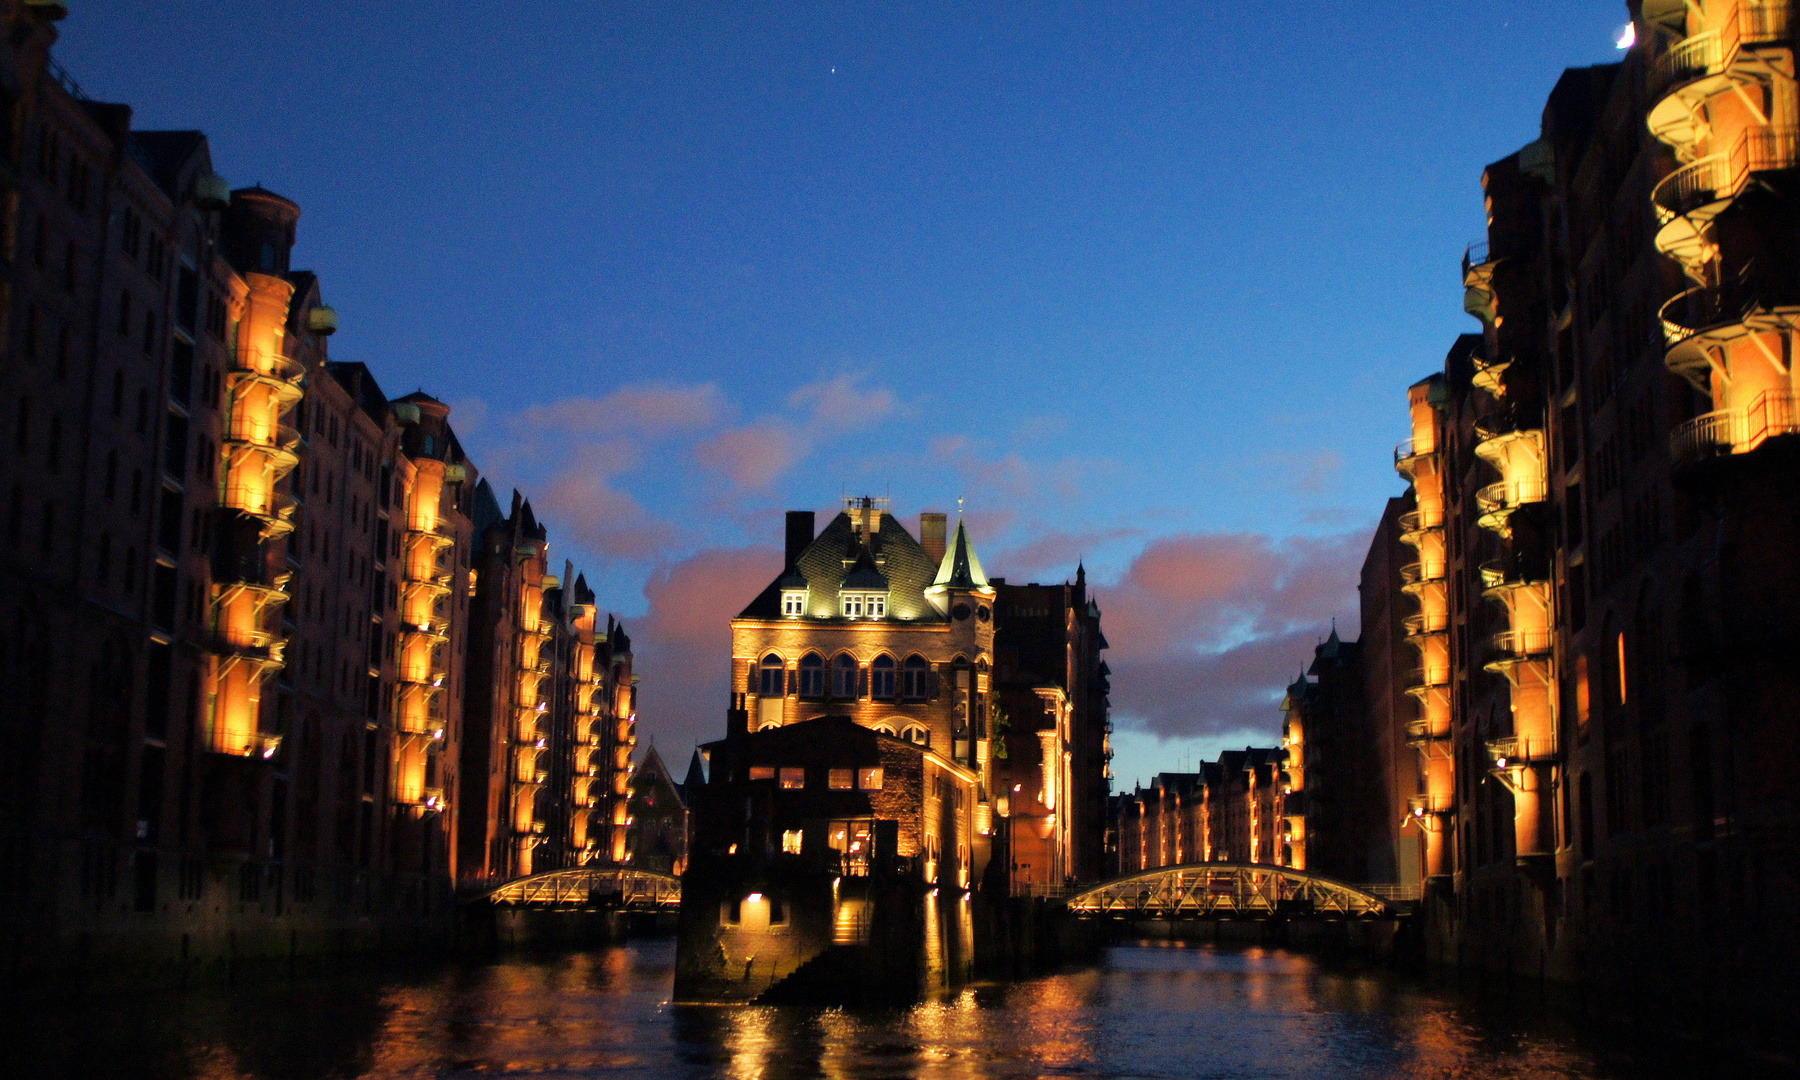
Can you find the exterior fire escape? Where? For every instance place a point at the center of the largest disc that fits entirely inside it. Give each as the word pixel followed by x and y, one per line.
pixel 1724 101
pixel 1420 460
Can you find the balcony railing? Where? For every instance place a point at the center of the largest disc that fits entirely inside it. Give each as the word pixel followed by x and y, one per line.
pixel 1480 253
pixel 1512 494
pixel 1418 731
pixel 1409 449
pixel 1421 623
pixel 1516 749
pixel 1736 431
pixel 1416 573
pixel 1710 51
pixel 1720 176
pixel 1522 642
pixel 1420 805
pixel 1417 521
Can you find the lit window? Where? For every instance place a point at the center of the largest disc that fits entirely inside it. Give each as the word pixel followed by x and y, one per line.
pixel 881 683
pixel 917 735
pixel 790 841
pixel 843 677
pixel 869 779
pixel 762 772
pixel 793 778
pixel 843 779
pixel 853 605
pixel 793 603
pixel 877 605
pixel 812 676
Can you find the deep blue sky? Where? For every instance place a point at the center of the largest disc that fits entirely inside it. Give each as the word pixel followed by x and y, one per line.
pixel 1145 282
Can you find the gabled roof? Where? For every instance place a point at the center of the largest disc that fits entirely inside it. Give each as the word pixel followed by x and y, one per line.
pixel 827 563
pixel 487 508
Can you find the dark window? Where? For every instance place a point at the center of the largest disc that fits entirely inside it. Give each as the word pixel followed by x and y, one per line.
pixel 772 676
pixel 843 677
pixel 916 679
pixel 812 676
pixel 882 685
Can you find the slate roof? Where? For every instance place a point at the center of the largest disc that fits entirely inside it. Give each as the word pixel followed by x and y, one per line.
pixel 828 561
pixel 961 568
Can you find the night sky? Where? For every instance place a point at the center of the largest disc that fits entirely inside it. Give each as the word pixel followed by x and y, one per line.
pixel 1144 283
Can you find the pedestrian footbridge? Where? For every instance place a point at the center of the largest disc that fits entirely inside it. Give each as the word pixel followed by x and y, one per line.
pixel 612 888
pixel 1221 890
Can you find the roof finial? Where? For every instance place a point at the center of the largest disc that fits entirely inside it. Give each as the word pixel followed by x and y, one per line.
pixel 959 508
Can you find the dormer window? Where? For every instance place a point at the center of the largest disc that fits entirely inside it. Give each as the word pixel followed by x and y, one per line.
pixel 793 602
pixel 858 605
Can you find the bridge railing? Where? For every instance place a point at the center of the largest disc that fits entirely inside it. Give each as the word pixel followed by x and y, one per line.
pixel 598 887
pixel 1202 890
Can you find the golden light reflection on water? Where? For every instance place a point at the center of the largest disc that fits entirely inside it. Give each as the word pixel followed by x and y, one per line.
pixel 1165 1011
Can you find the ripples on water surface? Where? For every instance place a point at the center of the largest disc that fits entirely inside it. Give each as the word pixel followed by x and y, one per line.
pixel 1142 1012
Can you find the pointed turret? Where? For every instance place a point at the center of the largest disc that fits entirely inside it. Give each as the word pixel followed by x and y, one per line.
pixel 961 568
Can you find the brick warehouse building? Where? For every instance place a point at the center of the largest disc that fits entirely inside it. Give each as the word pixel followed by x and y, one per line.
pixel 234 575
pixel 1601 578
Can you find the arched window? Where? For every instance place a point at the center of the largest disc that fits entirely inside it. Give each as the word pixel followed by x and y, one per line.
pixel 881 685
pixel 915 681
pixel 885 729
pixel 812 676
pixel 917 734
pixel 773 676
pixel 843 677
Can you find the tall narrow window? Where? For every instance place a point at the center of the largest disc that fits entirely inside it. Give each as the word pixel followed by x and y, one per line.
pixel 881 686
pixel 843 677
pixel 773 677
pixel 812 676
pixel 916 678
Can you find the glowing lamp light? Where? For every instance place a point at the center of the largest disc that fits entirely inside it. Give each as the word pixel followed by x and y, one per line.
pixel 1418 811
pixel 1627 37
pixel 269 751
pixel 1500 762
pixel 754 898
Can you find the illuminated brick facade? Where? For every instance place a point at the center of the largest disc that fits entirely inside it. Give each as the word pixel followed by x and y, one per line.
pixel 1604 505
pixel 1235 809
pixel 234 575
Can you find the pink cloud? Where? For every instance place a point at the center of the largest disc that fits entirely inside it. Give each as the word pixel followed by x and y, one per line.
pixel 683 646
pixel 1206 629
pixel 753 457
pixel 651 410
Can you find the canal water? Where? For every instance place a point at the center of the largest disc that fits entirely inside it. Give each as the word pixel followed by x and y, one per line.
pixel 1142 1011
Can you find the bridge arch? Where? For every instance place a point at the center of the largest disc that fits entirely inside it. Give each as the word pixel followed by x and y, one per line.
pixel 1223 889
pixel 618 887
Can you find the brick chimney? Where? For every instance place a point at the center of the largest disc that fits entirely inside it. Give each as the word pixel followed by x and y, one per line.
pixel 931 535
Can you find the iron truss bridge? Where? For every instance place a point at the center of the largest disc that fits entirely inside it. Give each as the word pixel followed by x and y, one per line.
pixel 1223 890
pixel 611 887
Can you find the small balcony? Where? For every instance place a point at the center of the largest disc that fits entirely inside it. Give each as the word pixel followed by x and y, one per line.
pixel 282 375
pixel 1736 431
pixel 1421 805
pixel 438 536
pixel 1688 199
pixel 1420 623
pixel 1409 454
pixel 1515 750
pixel 1499 500
pixel 1419 732
pixel 1682 74
pixel 1416 575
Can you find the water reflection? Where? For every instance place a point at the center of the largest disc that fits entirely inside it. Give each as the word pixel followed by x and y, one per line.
pixel 1157 1011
